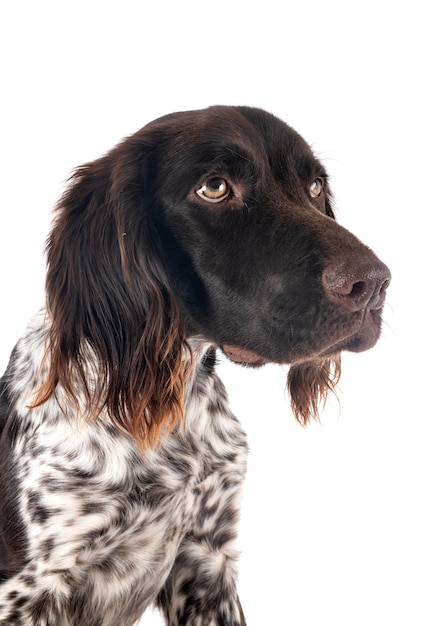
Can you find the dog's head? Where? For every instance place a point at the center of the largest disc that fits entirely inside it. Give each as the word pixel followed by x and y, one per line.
pixel 215 223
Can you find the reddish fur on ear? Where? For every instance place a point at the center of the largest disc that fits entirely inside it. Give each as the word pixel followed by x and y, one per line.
pixel 116 342
pixel 309 385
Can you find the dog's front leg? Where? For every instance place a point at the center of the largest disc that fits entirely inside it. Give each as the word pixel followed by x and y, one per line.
pixel 201 588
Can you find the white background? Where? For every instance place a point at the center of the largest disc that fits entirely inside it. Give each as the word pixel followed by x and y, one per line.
pixel 339 520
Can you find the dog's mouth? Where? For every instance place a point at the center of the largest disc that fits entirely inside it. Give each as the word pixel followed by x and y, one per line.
pixel 243 355
pixel 358 336
pixel 366 336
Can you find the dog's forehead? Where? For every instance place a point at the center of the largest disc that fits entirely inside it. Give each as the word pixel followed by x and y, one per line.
pixel 250 133
pixel 255 129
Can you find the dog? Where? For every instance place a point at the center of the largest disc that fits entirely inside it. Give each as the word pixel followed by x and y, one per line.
pixel 121 461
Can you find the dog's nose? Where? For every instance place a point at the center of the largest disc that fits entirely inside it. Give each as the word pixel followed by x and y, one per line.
pixel 357 284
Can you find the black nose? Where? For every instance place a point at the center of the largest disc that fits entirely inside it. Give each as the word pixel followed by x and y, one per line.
pixel 357 284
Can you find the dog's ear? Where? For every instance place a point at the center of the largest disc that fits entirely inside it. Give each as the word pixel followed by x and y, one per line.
pixel 309 385
pixel 116 341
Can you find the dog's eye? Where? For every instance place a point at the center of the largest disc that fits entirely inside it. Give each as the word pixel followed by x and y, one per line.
pixel 316 188
pixel 214 189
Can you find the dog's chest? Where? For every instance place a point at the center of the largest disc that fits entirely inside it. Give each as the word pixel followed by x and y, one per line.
pixel 93 504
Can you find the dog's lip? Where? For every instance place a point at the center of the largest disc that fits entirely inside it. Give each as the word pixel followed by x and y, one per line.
pixel 242 355
pixel 361 335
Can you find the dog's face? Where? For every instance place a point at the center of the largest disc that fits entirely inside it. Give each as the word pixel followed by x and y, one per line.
pixel 213 223
pixel 265 272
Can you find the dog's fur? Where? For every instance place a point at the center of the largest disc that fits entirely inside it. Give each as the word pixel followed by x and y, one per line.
pixel 121 462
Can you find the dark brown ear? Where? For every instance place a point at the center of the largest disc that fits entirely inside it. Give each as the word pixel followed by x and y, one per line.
pixel 309 385
pixel 116 341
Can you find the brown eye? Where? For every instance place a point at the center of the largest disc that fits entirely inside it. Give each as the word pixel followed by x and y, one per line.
pixel 316 188
pixel 214 189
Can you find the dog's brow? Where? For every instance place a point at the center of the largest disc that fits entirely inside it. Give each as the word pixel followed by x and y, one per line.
pixel 238 154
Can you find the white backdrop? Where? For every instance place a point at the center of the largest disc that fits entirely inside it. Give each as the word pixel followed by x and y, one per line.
pixel 339 520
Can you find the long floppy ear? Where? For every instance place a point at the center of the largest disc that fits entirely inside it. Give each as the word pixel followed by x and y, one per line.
pixel 116 341
pixel 309 385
